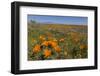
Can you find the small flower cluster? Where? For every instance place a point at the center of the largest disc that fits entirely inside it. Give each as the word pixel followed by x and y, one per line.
pixel 47 46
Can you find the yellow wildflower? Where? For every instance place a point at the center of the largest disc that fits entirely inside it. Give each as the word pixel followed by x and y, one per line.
pixel 42 37
pixel 62 40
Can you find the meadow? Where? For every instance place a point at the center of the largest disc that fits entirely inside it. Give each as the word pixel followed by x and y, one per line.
pixel 57 41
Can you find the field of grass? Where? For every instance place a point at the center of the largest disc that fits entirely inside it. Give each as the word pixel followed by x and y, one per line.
pixel 57 41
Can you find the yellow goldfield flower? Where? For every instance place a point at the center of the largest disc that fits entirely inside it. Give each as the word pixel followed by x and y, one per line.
pixel 47 53
pixel 37 48
pixel 54 39
pixel 62 40
pixel 42 37
pixel 65 53
pixel 33 40
pixel 57 49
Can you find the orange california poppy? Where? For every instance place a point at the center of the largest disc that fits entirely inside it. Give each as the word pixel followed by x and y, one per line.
pixel 57 49
pixel 53 43
pixel 45 43
pixel 47 53
pixel 37 48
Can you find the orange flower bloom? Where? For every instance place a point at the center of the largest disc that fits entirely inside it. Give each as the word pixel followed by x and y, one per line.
pixel 36 48
pixel 57 49
pixel 53 43
pixel 47 53
pixel 45 43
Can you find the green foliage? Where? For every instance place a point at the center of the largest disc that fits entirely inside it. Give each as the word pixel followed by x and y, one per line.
pixel 71 39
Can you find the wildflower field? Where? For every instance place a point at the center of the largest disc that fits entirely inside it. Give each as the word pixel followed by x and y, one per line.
pixel 57 41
